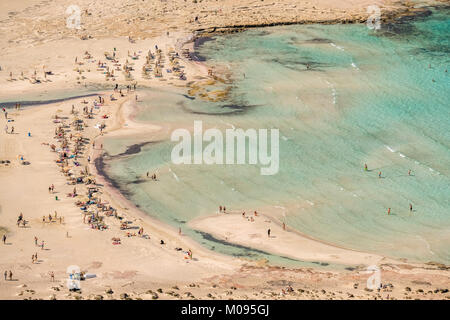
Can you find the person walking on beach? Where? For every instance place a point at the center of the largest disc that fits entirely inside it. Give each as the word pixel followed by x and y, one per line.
pixel 4 239
pixel 284 226
pixel 6 274
pixel 35 241
pixel 365 167
pixel 379 174
pixel 10 275
pixel 268 233
pixel 389 211
pixel 42 245
pixel 410 208
pixel 52 276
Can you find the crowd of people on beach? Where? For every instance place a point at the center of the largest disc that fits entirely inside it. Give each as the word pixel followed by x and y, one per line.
pixel 71 141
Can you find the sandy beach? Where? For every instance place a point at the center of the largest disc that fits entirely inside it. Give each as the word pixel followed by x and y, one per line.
pixel 54 143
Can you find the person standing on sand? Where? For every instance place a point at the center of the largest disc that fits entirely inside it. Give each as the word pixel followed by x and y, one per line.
pixel 389 211
pixel 35 241
pixel 52 276
pixel 10 275
pixel 6 274
pixel 268 233
pixel 284 226
pixel 4 239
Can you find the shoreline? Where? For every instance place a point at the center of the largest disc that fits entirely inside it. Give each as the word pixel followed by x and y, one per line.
pixel 117 196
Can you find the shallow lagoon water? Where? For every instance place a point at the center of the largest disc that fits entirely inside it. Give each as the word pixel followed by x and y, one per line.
pixel 380 98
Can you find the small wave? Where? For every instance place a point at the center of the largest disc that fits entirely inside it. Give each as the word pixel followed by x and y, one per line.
pixel 333 91
pixel 390 149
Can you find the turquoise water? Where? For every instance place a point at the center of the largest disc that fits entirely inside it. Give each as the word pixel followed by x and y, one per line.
pixel 341 96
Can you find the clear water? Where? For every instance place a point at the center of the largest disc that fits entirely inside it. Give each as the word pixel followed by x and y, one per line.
pixel 368 97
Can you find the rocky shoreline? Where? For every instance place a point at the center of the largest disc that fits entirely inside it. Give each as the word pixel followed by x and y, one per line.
pixel 407 12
